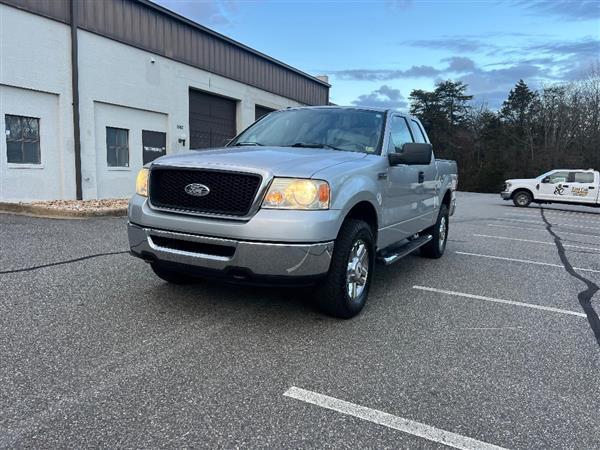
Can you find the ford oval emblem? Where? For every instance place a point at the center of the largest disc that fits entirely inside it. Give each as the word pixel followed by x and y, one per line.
pixel 197 190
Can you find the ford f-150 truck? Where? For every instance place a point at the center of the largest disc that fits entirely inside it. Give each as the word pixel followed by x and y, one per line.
pixel 575 187
pixel 304 195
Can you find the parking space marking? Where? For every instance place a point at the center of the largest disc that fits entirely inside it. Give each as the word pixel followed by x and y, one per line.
pixel 568 220
pixel 554 224
pixel 541 229
pixel 526 261
pixel 535 242
pixel 388 420
pixel 558 213
pixel 499 300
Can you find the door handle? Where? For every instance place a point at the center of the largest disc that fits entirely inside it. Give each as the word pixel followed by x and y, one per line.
pixel 565 185
pixel 421 177
pixel 591 187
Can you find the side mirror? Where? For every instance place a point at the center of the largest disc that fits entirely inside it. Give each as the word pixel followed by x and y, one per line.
pixel 412 154
pixel 546 180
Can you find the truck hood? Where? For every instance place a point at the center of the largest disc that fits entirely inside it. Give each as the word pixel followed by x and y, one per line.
pixel 278 161
pixel 521 181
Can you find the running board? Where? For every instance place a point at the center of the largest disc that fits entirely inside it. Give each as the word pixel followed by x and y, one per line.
pixel 394 254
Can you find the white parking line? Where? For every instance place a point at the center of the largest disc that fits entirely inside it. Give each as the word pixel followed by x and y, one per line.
pixel 388 420
pixel 540 229
pixel 558 213
pixel 526 261
pixel 535 242
pixel 499 300
pixel 553 224
pixel 562 219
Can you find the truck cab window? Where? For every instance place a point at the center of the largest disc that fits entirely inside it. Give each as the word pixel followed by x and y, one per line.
pixel 583 177
pixel 399 134
pixel 419 135
pixel 558 177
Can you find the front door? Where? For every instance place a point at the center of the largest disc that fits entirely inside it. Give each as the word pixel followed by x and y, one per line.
pixel 552 187
pixel 154 145
pixel 402 203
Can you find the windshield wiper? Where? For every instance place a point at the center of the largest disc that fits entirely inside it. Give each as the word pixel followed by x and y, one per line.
pixel 240 144
pixel 308 145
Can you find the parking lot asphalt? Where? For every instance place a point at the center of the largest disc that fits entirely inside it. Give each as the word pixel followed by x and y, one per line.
pixel 497 342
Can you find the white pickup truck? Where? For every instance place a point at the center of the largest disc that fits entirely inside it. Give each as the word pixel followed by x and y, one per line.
pixel 575 187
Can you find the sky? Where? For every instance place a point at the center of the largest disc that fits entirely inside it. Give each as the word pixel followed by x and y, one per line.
pixel 376 53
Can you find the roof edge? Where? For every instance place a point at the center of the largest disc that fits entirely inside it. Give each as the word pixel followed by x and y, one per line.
pixel 174 15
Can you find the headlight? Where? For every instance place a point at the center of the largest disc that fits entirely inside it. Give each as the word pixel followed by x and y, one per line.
pixel 294 193
pixel 508 185
pixel 141 182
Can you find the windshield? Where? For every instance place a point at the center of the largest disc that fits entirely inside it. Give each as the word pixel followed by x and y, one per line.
pixel 352 130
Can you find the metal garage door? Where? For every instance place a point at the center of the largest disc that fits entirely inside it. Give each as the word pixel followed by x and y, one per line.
pixel 260 111
pixel 212 120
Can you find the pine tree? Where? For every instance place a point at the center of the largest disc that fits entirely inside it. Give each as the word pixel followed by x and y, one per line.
pixel 519 104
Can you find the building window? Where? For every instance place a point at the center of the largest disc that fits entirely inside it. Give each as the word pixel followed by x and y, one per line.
pixel 117 147
pixel 22 139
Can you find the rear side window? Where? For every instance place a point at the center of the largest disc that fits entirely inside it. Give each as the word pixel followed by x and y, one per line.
pixel 400 134
pixel 419 135
pixel 583 177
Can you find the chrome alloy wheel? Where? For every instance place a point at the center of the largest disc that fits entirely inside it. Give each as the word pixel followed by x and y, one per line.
pixel 442 233
pixel 358 270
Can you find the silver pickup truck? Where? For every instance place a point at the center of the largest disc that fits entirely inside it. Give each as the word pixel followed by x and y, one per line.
pixel 303 196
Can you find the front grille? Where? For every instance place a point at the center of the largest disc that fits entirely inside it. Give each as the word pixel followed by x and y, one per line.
pixel 193 247
pixel 231 193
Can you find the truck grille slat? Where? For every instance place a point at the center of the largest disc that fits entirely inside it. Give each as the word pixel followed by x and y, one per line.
pixel 231 193
pixel 194 247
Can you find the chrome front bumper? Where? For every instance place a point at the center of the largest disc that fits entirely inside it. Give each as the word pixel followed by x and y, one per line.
pixel 505 195
pixel 254 258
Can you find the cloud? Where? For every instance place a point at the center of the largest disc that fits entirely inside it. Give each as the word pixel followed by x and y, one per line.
pixel 537 62
pixel 207 12
pixel 480 80
pixel 456 44
pixel 572 58
pixel 587 46
pixel 385 74
pixel 384 97
pixel 399 4
pixel 563 9
pixel 455 64
pixel 459 64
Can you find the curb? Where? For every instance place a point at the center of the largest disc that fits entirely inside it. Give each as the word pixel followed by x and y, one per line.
pixel 43 211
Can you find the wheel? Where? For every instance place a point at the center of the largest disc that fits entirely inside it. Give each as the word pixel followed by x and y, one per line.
pixel 345 290
pixel 171 275
pixel 522 199
pixel 439 232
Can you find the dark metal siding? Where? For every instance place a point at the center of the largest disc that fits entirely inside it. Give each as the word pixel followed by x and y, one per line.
pixel 147 26
pixel 212 120
pixel 54 9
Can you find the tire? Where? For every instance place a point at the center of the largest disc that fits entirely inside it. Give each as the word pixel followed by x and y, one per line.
pixel 522 199
pixel 344 294
pixel 439 232
pixel 172 276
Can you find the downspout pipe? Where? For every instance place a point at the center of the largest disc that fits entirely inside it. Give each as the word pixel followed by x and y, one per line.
pixel 75 93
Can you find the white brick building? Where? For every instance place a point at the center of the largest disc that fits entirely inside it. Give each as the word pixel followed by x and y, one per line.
pixel 149 82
